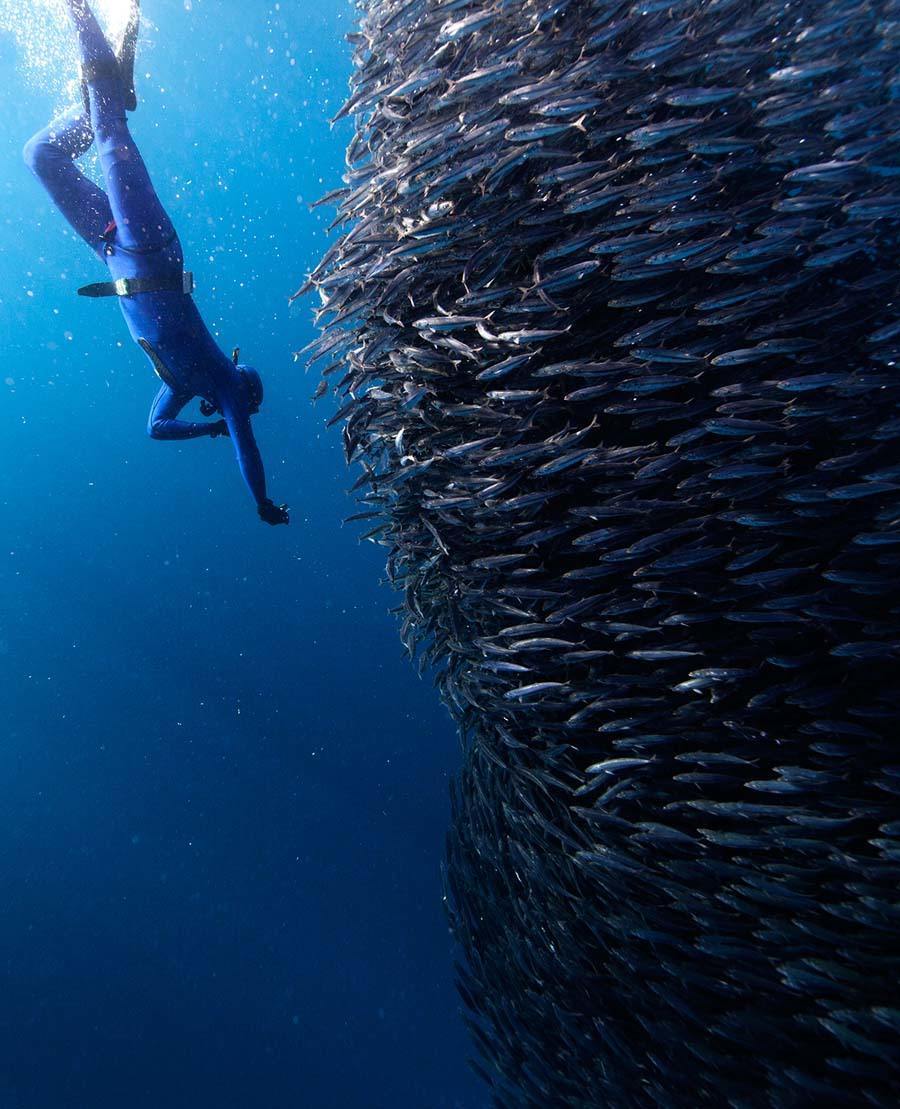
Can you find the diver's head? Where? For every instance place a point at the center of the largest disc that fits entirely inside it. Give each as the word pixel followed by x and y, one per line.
pixel 254 387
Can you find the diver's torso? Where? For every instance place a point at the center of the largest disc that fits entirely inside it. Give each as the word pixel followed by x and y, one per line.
pixel 170 322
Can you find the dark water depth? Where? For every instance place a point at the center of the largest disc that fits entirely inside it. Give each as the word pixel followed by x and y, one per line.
pixel 223 792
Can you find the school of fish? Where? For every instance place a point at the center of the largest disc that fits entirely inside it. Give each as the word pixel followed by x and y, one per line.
pixel 614 320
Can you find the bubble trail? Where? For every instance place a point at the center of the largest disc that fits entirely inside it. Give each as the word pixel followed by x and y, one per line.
pixel 46 46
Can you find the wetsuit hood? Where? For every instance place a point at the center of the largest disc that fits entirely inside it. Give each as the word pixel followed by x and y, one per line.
pixel 254 385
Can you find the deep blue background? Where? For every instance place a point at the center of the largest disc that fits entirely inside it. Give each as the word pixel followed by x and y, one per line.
pixel 223 792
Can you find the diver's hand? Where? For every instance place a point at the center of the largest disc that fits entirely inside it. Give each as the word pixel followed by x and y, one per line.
pixel 274 514
pixel 218 428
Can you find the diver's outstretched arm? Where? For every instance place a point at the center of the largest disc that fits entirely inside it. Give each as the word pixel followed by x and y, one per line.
pixel 164 422
pixel 247 452
pixel 251 466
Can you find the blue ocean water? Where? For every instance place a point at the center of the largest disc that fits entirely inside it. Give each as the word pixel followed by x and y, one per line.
pixel 223 791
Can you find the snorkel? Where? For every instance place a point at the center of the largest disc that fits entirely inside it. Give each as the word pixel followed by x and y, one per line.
pixel 254 386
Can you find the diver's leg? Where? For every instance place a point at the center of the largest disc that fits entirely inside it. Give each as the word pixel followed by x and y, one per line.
pixel 51 155
pixel 142 222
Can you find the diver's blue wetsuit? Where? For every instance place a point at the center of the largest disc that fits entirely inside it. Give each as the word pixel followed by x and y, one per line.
pixel 129 230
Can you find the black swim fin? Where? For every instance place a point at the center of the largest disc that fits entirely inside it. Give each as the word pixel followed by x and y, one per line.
pixel 127 55
pixel 125 64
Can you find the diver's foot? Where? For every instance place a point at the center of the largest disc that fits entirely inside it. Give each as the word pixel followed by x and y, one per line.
pixel 92 72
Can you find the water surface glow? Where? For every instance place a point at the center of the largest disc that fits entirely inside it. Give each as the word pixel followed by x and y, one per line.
pixel 46 44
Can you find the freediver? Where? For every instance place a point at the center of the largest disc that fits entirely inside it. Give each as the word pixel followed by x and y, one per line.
pixel 129 230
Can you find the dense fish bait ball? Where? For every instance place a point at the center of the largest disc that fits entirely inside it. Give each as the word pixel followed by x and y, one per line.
pixel 615 320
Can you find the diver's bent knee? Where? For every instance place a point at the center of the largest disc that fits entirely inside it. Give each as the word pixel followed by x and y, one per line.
pixel 154 430
pixel 39 155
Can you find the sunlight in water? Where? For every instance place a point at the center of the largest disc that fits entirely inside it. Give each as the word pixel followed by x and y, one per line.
pixel 45 40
